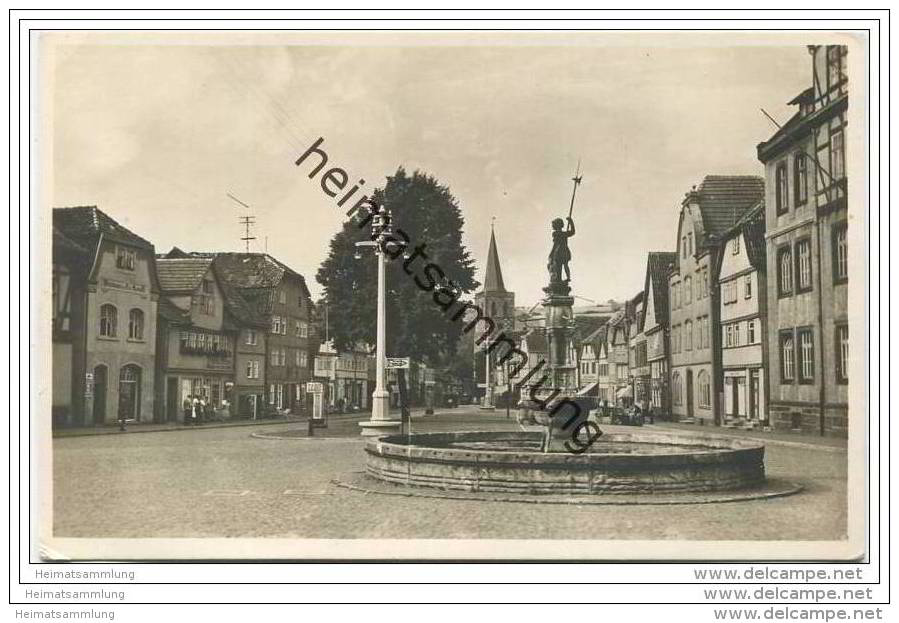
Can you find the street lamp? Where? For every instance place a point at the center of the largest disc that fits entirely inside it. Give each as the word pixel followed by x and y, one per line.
pixel 380 423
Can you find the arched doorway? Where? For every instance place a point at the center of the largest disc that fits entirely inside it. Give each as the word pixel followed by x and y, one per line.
pixel 99 412
pixel 129 392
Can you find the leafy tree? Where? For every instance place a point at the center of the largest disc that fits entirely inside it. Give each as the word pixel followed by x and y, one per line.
pixel 427 214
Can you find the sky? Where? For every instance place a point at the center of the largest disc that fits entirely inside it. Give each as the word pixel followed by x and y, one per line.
pixel 158 135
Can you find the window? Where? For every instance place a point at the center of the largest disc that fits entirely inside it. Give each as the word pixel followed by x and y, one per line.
pixel 737 341
pixel 206 299
pixel 282 356
pixel 274 357
pixel 688 290
pixel 676 390
pixel 690 242
pixel 271 394
pixel 747 286
pixel 750 332
pixel 804 265
pixel 806 355
pixel 302 358
pixel 836 66
pixel 282 297
pixel 800 178
pixel 125 258
pixel 302 329
pixel 705 389
pixel 705 332
pixel 842 352
pixel 276 324
pixel 675 295
pixel 787 357
pixel 688 335
pixel 252 337
pixel 684 247
pixel 840 253
pixel 108 320
pixel 781 188
pixel 252 369
pixel 135 324
pixel 837 156
pixel 735 246
pixel 785 271
pixel 705 281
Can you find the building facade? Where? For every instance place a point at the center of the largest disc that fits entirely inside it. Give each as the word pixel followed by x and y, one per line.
pixel 807 254
pixel 209 343
pixel 108 303
pixel 706 212
pixel 656 329
pixel 742 314
pixel 279 297
pixel 638 364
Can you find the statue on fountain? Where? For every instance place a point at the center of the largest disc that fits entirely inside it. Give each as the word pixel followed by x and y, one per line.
pixel 560 254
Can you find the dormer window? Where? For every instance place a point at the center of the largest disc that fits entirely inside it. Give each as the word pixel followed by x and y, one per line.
pixel 125 258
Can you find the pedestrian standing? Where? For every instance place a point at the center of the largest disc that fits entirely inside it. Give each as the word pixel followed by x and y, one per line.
pixel 202 410
pixel 195 411
pixel 186 407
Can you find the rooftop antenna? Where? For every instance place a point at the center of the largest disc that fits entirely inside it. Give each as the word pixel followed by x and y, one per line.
pixel 770 118
pixel 577 180
pixel 246 221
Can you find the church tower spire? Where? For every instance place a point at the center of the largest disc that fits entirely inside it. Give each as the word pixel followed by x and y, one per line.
pixel 493 277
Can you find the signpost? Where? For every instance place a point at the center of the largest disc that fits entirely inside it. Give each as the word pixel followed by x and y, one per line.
pixel 317 418
pixel 397 363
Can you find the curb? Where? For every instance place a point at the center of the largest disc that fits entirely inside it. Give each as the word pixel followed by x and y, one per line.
pixel 768 441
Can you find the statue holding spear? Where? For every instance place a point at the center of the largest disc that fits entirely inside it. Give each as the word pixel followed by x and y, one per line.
pixel 560 254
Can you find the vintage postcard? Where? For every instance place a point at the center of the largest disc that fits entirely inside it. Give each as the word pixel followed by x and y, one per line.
pixel 450 295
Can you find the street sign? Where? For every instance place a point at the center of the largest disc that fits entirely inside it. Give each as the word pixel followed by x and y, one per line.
pixel 313 387
pixel 397 363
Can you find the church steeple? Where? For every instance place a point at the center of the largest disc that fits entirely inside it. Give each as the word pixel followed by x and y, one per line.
pixel 493 278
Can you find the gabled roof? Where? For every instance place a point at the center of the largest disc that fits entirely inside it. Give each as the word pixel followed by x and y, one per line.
pixel 255 271
pixel 585 326
pixel 171 312
pixel 597 338
pixel 182 275
pixel 66 250
pixel 723 199
pixel 658 266
pixel 84 224
pixel 493 277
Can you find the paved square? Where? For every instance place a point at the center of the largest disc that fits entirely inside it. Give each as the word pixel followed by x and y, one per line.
pixel 223 482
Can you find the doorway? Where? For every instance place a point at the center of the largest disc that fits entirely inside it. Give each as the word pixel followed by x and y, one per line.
pixel 129 392
pixel 689 393
pixel 172 404
pixel 99 413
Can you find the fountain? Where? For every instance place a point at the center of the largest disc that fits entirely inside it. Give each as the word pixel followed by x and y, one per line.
pixel 554 457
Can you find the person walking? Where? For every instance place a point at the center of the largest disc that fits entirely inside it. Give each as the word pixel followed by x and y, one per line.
pixel 202 410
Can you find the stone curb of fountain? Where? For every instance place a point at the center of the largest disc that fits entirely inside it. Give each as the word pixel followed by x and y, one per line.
pixel 774 488
pixel 765 440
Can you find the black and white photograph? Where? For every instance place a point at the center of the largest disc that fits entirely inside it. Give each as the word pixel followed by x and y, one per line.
pixel 450 295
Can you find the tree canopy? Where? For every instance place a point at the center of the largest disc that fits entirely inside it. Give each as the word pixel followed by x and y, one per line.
pixel 417 327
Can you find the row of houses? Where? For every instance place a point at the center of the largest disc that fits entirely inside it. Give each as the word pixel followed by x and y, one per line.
pixel 136 335
pixel 745 323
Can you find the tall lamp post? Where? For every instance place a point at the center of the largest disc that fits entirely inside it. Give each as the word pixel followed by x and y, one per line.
pixel 381 422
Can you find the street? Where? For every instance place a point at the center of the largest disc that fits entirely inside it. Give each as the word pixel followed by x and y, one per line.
pixel 223 482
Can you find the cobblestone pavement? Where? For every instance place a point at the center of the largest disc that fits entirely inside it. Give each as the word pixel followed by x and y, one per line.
pixel 222 482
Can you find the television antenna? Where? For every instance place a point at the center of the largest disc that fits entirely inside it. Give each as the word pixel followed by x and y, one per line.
pixel 247 221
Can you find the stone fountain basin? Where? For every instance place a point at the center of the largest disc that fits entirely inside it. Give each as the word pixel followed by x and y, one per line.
pixel 618 463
